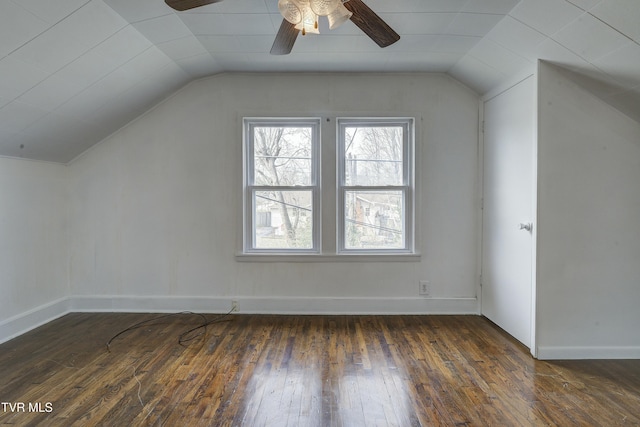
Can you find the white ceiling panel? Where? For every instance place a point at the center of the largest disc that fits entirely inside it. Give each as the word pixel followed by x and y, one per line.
pixel 413 6
pixel 329 44
pixel 455 44
pixel 623 64
pixel 537 14
pixel 51 50
pixel 249 44
pixel 238 7
pixel 86 102
pixel 220 44
pixel 4 101
pixel 220 24
pixel 501 7
pixel 504 60
pixel 473 24
pixel 516 36
pixel 422 22
pixel 93 23
pixel 122 46
pixel 50 93
pixel 10 144
pixel 163 28
pixel 182 48
pixel 200 66
pixel 17 77
pixel 623 15
pixel 52 12
pixel 584 4
pixel 16 116
pixel 57 125
pixel 475 73
pixel 139 10
pixel 74 71
pixel 552 51
pixel 145 64
pixel 410 43
pixel 17 27
pixel 590 38
pixel 437 62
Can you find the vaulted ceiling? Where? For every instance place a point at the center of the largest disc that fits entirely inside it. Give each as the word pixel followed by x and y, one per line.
pixel 74 71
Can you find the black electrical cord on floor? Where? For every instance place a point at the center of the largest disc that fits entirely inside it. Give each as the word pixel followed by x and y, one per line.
pixel 183 337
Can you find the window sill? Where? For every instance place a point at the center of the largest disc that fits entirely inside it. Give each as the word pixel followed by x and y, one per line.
pixel 413 257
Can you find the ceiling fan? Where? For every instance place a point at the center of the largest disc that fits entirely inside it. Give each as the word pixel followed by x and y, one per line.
pixel 292 23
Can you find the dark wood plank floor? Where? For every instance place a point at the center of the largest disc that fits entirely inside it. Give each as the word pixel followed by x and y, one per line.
pixel 255 370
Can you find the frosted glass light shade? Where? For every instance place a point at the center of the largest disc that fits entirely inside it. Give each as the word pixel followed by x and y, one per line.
pixel 339 16
pixel 308 25
pixel 324 7
pixel 290 11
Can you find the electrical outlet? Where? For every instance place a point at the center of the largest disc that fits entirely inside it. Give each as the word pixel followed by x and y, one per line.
pixel 234 306
pixel 425 288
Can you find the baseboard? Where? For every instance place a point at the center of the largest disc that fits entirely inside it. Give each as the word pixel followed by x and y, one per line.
pixel 38 316
pixel 18 325
pixel 584 353
pixel 276 305
pixel 149 304
pixel 357 305
pixel 24 322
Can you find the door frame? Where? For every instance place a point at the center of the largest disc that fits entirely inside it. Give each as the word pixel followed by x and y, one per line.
pixel 533 348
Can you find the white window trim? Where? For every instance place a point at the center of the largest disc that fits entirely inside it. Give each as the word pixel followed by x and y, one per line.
pixel 327 143
pixel 249 189
pixel 407 187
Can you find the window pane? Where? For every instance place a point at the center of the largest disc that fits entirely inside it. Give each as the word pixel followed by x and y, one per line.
pixel 283 220
pixel 374 220
pixel 282 155
pixel 373 155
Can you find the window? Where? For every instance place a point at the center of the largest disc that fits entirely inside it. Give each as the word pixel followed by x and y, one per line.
pixel 375 185
pixel 282 185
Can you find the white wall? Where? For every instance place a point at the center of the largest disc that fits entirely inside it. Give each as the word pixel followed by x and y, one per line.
pixel 588 224
pixel 156 208
pixel 33 244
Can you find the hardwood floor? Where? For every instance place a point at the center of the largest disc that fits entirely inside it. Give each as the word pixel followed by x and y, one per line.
pixel 255 370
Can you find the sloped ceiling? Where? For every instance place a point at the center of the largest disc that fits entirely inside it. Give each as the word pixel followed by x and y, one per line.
pixel 74 71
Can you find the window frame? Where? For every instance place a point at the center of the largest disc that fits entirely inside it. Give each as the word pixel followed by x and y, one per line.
pixel 250 188
pixel 407 188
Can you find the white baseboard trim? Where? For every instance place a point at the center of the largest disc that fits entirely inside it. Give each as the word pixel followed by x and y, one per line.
pixel 356 305
pixel 275 305
pixel 31 319
pixel 24 322
pixel 584 353
pixel 149 304
pixel 18 325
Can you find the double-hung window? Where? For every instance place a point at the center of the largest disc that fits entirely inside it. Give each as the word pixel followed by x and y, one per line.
pixel 282 185
pixel 375 185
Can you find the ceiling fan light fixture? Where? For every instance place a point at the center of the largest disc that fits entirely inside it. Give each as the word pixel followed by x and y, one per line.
pixel 324 7
pixel 304 13
pixel 309 23
pixel 339 16
pixel 290 10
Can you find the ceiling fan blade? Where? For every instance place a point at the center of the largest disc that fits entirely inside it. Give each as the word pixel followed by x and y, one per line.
pixel 188 4
pixel 371 24
pixel 285 38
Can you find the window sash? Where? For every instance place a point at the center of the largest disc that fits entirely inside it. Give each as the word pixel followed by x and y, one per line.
pixel 250 240
pixel 405 189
